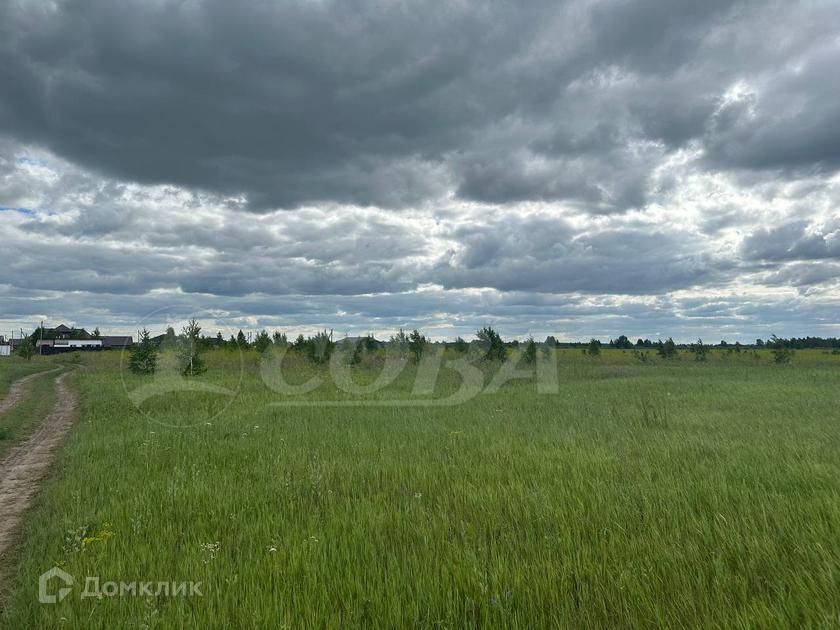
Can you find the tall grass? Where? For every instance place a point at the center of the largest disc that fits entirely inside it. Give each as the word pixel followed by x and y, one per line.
pixel 515 509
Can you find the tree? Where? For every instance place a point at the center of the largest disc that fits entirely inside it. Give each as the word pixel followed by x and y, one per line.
pixel 321 346
pixel 280 339
pixel 300 343
pixel 700 350
pixel 190 357
pixel 551 342
pixel 96 333
pixel 622 343
pixel 782 354
pixel 241 340
pixel 416 344
pixel 594 348
pixel 143 356
pixel 26 348
pixel 493 348
pixel 460 345
pixel 530 354
pixel 262 342
pixel 667 350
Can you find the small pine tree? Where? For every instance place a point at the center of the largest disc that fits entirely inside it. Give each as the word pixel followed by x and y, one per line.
pixel 460 345
pixel 262 342
pixel 594 348
pixel 190 357
pixel 667 350
pixel 26 348
pixel 492 345
pixel 241 340
pixel 96 333
pixel 530 354
pixel 700 350
pixel 782 354
pixel 321 346
pixel 416 344
pixel 280 339
pixel 143 356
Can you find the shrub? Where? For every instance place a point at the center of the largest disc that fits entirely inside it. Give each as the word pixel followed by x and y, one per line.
pixel 594 348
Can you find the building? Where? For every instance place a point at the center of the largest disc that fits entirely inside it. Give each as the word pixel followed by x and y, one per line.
pixel 57 346
pixel 5 350
pixel 116 342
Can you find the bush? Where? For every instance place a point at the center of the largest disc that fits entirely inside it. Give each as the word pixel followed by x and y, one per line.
pixel 593 349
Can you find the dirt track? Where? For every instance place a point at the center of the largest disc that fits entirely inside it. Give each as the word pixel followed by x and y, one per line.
pixel 19 388
pixel 26 464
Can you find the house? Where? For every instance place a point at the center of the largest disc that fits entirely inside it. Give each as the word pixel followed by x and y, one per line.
pixel 57 346
pixel 116 342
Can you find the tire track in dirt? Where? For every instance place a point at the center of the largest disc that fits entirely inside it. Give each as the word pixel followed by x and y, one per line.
pixel 19 388
pixel 26 464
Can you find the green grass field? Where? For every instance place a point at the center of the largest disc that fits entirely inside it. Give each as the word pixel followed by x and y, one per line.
pixel 666 493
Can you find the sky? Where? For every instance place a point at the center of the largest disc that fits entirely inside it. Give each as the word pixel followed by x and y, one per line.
pixel 579 168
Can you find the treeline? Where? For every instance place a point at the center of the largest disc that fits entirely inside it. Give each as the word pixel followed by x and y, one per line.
pixel 794 343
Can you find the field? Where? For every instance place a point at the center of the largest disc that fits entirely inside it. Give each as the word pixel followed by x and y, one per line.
pixel 666 493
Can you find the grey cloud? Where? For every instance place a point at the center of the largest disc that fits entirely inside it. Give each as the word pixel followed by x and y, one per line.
pixel 393 105
pixel 792 241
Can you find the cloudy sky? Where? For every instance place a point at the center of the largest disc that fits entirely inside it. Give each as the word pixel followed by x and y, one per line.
pixel 578 168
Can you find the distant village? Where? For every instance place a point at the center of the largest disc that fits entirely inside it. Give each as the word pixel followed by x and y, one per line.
pixel 66 339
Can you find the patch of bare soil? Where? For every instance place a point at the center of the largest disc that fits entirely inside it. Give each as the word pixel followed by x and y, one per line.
pixel 26 464
pixel 19 388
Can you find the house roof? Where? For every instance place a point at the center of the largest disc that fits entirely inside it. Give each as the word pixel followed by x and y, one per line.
pixel 116 341
pixel 61 328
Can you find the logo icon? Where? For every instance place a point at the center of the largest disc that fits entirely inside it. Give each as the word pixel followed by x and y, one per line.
pixel 43 595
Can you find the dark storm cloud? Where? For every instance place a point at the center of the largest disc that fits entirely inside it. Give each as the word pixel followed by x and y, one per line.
pixel 393 104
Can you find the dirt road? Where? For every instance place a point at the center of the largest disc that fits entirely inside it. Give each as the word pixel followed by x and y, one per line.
pixel 22 470
pixel 19 389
